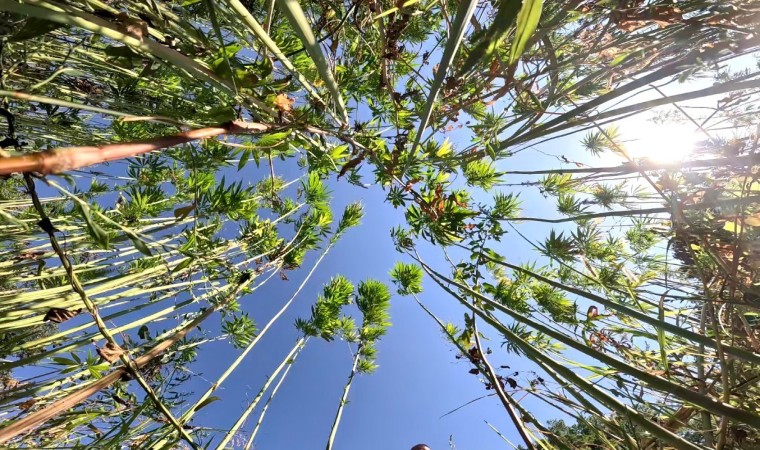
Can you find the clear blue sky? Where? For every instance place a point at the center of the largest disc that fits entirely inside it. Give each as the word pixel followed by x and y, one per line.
pixel 419 378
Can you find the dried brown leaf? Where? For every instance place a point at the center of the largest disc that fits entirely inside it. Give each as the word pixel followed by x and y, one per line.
pixel 110 352
pixel 27 404
pixel 284 103
pixel 60 315
pixel 351 164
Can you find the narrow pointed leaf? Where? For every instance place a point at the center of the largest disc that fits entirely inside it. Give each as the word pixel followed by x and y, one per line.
pixel 661 335
pixel 299 22
pixel 487 45
pixel 209 400
pixel 527 21
pixel 244 157
pixel 140 245
pixel 461 21
pixel 96 231
pixel 255 27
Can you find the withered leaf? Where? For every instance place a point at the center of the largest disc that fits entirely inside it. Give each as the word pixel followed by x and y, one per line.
pixel 512 383
pixel 351 164
pixel 60 315
pixel 95 429
pixel 27 404
pixel 283 102
pixel 474 371
pixel 110 352
pixel 752 220
pixel 126 376
pixel 10 383
pixel 34 256
pixel 144 332
pixel 184 211
pixel 493 69
pixel 135 28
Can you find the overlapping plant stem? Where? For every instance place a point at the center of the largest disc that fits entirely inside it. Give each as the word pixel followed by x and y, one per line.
pixel 142 127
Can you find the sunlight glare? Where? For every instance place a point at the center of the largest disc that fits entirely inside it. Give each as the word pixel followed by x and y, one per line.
pixel 660 142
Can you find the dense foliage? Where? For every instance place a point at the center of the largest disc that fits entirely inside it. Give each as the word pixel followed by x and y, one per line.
pixel 124 122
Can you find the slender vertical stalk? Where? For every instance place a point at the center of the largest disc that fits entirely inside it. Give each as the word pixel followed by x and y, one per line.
pixel 190 412
pixel 93 310
pixel 269 400
pixel 287 361
pixel 37 418
pixel 344 399
pixel 491 374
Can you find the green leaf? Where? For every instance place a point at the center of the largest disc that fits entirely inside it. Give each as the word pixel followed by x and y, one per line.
pixel 527 21
pixel 619 59
pixel 272 139
pixel 299 22
pixel 8 218
pixel 487 45
pixel 121 51
pixel 184 264
pixel 445 149
pixel 244 157
pixel 96 232
pixel 221 114
pixel 64 361
pixel 140 245
pixel 208 401
pixel 34 27
pixel 458 28
pixel 100 367
pixel 661 334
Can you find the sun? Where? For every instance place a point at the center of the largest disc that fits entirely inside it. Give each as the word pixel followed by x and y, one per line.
pixel 660 142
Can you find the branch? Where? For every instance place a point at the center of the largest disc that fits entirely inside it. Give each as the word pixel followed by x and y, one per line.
pixel 647 165
pixel 37 418
pixel 101 325
pixel 644 211
pixel 506 400
pixel 69 158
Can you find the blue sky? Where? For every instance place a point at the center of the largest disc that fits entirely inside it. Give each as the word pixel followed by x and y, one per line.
pixel 419 378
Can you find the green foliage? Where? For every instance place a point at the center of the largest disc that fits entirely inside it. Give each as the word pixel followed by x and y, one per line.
pixel 326 319
pixel 240 330
pixel 443 104
pixel 373 299
pixel 480 174
pixel 407 278
pixel 351 217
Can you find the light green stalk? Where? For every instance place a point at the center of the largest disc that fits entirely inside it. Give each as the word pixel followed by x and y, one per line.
pixel 287 361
